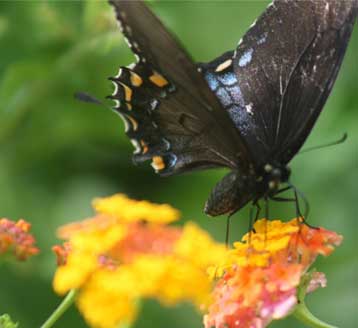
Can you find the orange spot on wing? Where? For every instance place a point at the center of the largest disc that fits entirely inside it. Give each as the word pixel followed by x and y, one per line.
pixel 158 163
pixel 144 147
pixel 127 92
pixel 136 80
pixel 158 80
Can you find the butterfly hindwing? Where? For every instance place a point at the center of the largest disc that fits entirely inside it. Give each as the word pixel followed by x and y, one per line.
pixel 172 115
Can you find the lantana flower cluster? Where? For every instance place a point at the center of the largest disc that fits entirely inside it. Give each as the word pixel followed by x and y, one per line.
pixel 127 252
pixel 259 279
pixel 15 239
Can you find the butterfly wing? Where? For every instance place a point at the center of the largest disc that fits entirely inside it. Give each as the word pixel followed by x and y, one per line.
pixel 171 114
pixel 281 74
pixel 313 78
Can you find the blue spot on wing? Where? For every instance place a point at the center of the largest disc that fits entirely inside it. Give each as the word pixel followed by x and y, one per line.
pixel 224 97
pixel 246 58
pixel 262 38
pixel 240 118
pixel 236 95
pixel 212 80
pixel 226 87
pixel 228 78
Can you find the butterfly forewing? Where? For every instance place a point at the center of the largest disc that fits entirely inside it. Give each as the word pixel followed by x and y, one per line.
pixel 314 76
pixel 279 94
pixel 181 116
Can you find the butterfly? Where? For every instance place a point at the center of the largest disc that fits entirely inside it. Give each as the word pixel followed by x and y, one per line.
pixel 249 110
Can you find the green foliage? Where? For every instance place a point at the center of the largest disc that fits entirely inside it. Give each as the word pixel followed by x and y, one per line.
pixel 57 154
pixel 6 322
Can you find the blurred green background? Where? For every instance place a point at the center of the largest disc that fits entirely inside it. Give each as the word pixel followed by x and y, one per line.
pixel 57 154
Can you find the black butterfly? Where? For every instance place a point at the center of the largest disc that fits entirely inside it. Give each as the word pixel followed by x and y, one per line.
pixel 249 110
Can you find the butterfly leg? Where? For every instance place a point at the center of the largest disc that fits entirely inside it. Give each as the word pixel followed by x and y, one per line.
pixel 267 208
pixel 283 199
pixel 283 190
pixel 297 194
pixel 227 235
pixel 253 219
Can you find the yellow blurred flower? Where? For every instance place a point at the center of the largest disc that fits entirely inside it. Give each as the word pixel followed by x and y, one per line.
pixel 130 210
pixel 128 252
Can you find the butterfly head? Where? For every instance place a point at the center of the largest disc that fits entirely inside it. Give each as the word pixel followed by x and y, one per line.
pixel 273 175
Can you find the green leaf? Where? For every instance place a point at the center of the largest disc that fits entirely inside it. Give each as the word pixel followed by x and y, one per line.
pixel 6 322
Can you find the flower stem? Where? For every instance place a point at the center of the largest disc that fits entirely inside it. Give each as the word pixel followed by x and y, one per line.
pixel 301 312
pixel 65 304
pixel 304 315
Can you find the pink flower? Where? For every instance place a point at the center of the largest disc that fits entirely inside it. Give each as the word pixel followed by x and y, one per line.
pixel 15 238
pixel 263 273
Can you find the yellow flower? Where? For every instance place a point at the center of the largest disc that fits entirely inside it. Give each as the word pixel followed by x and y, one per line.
pixel 198 247
pixel 86 245
pixel 127 253
pixel 130 210
pixel 102 305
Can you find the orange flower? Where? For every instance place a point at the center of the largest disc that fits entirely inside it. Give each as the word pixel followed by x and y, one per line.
pixel 262 273
pixel 15 237
pixel 128 252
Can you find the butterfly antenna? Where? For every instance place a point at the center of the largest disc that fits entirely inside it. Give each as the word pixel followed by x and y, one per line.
pixel 337 142
pixel 87 98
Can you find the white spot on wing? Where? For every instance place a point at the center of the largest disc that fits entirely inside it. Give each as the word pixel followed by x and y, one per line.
pixel 126 124
pixel 115 89
pixel 253 24
pixel 249 108
pixel 136 145
pixel 128 29
pixel 270 5
pixel 128 42
pixel 118 75
pixel 135 45
pixel 246 58
pixel 223 65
